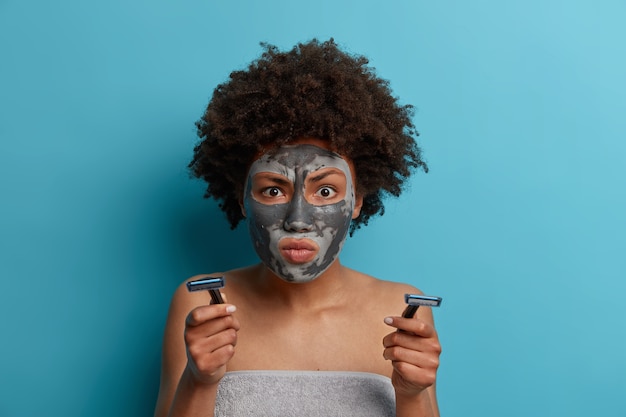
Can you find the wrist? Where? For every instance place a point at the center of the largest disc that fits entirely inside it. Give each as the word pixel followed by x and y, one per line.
pixel 406 390
pixel 410 394
pixel 413 403
pixel 192 397
pixel 197 383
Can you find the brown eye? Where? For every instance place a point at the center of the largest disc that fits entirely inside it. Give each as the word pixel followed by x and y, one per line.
pixel 326 192
pixel 272 192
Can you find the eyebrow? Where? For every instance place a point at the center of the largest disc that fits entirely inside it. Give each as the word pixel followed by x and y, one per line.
pixel 325 174
pixel 273 177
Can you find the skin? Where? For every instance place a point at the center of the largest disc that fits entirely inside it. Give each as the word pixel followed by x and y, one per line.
pixel 341 320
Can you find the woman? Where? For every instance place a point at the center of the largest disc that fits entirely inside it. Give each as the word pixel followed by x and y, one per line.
pixel 303 145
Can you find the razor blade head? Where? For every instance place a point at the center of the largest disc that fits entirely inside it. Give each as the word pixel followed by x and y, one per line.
pixel 422 300
pixel 414 301
pixel 206 284
pixel 212 285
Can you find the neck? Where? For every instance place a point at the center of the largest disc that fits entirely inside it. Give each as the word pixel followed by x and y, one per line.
pixel 325 291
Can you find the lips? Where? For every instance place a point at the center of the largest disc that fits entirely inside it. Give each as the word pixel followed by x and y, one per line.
pixel 298 251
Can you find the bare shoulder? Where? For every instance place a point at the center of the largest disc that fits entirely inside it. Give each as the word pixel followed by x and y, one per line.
pixel 238 289
pixel 233 287
pixel 386 288
pixel 388 296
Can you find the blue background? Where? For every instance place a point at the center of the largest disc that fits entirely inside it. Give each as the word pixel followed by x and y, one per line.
pixel 520 225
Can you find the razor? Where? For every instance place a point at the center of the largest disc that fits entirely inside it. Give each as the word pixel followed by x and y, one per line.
pixel 212 285
pixel 414 301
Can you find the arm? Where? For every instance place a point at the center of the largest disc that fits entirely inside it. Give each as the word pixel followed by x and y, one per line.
pixel 414 353
pixel 199 340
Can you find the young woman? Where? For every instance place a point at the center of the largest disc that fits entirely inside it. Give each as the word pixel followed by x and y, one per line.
pixel 303 146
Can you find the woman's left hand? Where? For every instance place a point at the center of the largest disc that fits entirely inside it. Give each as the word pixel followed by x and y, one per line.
pixel 414 351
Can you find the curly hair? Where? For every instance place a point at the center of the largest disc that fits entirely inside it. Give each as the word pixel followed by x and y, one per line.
pixel 315 90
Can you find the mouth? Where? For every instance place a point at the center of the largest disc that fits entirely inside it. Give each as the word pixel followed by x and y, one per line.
pixel 298 251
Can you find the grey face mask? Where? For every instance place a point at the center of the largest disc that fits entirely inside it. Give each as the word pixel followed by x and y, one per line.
pixel 299 201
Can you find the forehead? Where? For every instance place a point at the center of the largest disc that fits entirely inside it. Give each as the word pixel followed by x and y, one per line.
pixel 301 158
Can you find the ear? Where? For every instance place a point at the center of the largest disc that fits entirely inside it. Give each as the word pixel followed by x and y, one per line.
pixel 357 207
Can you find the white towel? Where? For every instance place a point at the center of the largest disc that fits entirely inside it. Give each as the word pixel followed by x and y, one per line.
pixel 304 393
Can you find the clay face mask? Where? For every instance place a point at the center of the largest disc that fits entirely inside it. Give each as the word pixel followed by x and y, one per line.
pixel 299 201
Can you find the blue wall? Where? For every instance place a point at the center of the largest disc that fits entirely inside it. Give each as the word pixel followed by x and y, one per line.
pixel 520 225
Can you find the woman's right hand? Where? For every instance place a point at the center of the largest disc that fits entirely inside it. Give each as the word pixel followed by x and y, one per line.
pixel 210 339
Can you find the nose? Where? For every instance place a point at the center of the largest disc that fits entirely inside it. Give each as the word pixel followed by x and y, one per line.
pixel 299 216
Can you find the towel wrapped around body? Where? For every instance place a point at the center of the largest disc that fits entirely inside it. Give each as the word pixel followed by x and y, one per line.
pixel 304 393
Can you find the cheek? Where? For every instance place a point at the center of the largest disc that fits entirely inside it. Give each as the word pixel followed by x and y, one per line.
pixel 334 215
pixel 265 217
pixel 332 222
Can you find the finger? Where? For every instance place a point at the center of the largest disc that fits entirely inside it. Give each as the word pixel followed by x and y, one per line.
pixel 398 354
pixel 413 342
pixel 210 328
pixel 416 375
pixel 209 354
pixel 205 313
pixel 412 325
pixel 202 346
pixel 218 358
